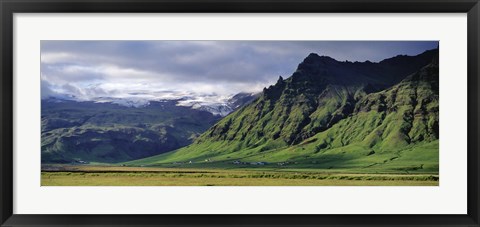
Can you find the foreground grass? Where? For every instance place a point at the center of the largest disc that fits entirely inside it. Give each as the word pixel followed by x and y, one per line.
pixel 138 176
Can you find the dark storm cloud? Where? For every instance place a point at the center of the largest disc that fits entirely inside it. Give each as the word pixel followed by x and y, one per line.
pixel 199 66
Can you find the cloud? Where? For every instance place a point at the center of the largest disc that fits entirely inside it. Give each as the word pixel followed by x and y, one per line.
pixel 121 68
pixel 46 91
pixel 56 57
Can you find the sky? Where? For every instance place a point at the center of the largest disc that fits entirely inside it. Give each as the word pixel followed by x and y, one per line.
pixel 155 70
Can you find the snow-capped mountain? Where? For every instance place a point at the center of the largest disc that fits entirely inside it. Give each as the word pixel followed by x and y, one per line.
pixel 222 109
pixel 217 105
pixel 130 102
pixel 222 106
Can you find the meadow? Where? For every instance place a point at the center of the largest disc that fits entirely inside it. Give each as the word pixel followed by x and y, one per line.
pixel 85 175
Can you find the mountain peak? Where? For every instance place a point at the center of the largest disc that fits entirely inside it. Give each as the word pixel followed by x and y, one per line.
pixel 315 58
pixel 313 55
pixel 326 70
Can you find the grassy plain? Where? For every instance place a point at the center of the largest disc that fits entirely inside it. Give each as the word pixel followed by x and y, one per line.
pixel 150 176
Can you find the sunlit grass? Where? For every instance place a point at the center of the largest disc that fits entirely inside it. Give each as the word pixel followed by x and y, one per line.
pixel 138 176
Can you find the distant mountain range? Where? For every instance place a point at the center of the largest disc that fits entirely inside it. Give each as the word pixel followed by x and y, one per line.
pixel 330 114
pixel 115 130
pixel 212 103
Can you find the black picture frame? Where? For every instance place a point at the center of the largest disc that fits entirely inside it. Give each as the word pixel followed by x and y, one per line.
pixel 10 7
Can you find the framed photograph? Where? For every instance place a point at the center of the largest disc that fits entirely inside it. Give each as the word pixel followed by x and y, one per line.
pixel 232 113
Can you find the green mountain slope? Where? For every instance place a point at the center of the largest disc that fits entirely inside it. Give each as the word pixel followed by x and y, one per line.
pixel 315 97
pixel 332 115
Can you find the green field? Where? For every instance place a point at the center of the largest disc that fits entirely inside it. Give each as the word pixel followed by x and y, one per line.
pixel 418 159
pixel 145 176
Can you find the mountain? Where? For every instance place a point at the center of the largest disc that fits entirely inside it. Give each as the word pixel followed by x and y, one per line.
pixel 212 102
pixel 332 114
pixel 221 108
pixel 108 132
pixel 241 99
pixel 117 130
pixel 318 94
